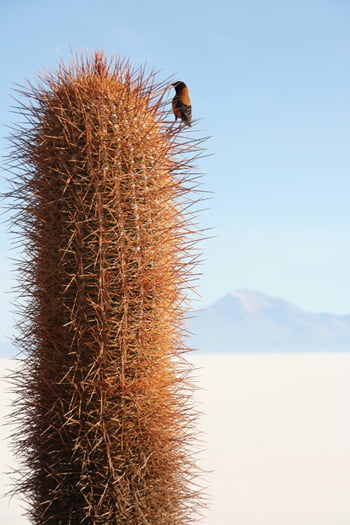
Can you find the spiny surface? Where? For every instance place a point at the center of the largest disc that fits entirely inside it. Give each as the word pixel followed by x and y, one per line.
pixel 105 413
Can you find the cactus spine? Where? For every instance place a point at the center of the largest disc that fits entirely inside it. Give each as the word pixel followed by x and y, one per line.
pixel 105 413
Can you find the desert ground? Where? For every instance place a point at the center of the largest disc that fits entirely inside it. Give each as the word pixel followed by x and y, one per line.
pixel 275 439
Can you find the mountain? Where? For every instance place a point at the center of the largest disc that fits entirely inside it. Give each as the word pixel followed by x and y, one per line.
pixel 246 321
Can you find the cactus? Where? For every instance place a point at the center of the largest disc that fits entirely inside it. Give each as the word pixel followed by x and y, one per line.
pixel 104 411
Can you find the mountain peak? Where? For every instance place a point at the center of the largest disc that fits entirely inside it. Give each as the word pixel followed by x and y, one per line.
pixel 246 320
pixel 252 302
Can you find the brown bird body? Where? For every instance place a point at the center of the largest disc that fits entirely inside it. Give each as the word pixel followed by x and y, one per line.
pixel 181 103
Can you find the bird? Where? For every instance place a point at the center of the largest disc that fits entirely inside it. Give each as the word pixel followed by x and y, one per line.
pixel 181 103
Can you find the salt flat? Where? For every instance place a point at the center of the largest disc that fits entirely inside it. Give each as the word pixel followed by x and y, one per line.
pixel 276 433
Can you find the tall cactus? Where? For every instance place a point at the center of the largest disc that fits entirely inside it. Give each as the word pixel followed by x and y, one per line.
pixel 104 411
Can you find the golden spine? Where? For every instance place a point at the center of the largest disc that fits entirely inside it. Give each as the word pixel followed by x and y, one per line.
pixel 104 414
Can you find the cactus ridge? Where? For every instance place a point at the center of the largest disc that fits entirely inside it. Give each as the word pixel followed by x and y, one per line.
pixel 103 193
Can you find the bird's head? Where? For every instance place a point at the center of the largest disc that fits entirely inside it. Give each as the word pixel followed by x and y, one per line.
pixel 179 85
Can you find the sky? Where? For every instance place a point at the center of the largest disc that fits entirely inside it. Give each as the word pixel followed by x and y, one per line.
pixel 270 84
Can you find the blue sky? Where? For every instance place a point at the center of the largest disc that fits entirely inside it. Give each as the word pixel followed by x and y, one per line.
pixel 270 83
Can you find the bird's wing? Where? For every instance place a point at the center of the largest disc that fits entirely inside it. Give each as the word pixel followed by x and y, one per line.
pixel 184 109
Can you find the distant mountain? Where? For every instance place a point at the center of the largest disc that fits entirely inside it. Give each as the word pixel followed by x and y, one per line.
pixel 246 321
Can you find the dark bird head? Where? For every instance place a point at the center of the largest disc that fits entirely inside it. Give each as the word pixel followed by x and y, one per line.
pixel 179 86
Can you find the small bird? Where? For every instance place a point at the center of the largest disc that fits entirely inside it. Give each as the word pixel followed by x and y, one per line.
pixel 181 103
